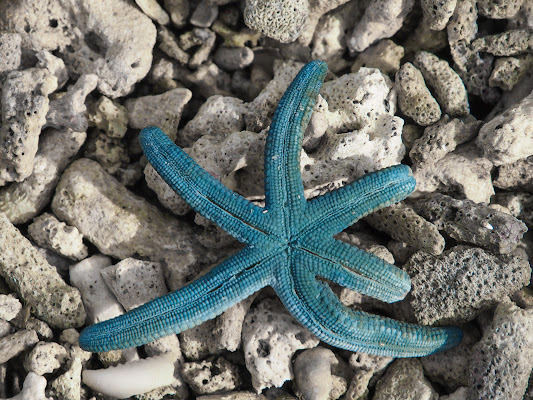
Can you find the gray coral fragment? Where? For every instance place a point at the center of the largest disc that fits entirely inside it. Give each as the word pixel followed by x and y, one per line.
pixel 474 223
pixel 460 283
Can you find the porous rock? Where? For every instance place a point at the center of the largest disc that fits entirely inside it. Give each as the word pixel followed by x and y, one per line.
pixel 163 110
pixel 49 232
pixel 168 43
pixel 96 43
pixel 516 176
pixel 271 336
pixel 68 111
pixel 317 10
pixel 447 86
pixel 503 359
pixel 404 379
pixel 509 71
pixel 134 282
pixel 210 376
pixel 24 103
pixel 508 137
pixel 437 13
pixel 402 223
pixel 33 388
pixel 442 138
pixel 111 153
pixel 279 19
pixel 519 204
pixel 68 385
pixel 45 358
pixel 448 175
pixel 414 98
pixel 37 283
pixel 9 307
pixel 22 201
pixel 99 301
pixel 10 49
pixel 499 9
pixel 55 65
pixel 507 43
pixel 233 396
pixel 14 344
pixel 154 11
pixel 474 223
pixel 385 55
pixel 460 283
pixel 109 116
pixel 382 19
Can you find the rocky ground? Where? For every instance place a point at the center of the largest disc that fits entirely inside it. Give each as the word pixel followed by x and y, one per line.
pixel 88 230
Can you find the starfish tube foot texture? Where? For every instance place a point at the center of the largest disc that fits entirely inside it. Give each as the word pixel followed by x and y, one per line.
pixel 290 246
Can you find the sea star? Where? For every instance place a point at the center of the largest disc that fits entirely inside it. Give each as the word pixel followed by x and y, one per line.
pixel 289 245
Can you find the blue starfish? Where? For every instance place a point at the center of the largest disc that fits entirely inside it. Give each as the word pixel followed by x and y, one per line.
pixel 289 245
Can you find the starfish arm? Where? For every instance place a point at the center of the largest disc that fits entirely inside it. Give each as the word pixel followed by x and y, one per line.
pixel 317 308
pixel 355 269
pixel 284 196
pixel 205 194
pixel 338 209
pixel 230 282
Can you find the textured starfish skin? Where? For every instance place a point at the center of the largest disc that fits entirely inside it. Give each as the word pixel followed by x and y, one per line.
pixel 289 245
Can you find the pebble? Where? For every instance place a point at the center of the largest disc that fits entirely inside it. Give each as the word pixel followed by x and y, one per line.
pixel 45 358
pixel 516 176
pixel 109 116
pixel 437 13
pixel 385 55
pixel 9 307
pixel 154 11
pixel 233 58
pixel 205 13
pixel 509 71
pixel 211 376
pixel 10 48
pixel 14 344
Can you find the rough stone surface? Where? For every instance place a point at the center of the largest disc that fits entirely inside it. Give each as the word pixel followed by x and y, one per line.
pixel 499 9
pixel 520 205
pixel 163 110
pixel 508 137
pixel 68 385
pixel 507 43
pixel 9 307
pixel 516 176
pixel 448 175
pixel 154 11
pixel 109 116
pixel 68 111
pixel 119 223
pixel 14 344
pixel 414 98
pixel 503 359
pixel 279 19
pixel 54 65
pixel 271 336
pixel 96 43
pixel 49 232
pixel 457 285
pixel 233 58
pixel 447 86
pixel 442 138
pixel 33 388
pixel 45 358
pixel 168 43
pixel 474 223
pixel 24 104
pixel 134 282
pixel 10 49
pixel 382 19
pixel 385 55
pixel 509 71
pixel 405 379
pixel 21 202
pixel 437 13
pixel 210 376
pixel 37 283
pixel 402 223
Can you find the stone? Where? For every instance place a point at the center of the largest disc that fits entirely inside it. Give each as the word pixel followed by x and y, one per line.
pixel 45 358
pixel 509 43
pixel 279 19
pixel 233 58
pixel 68 385
pixel 460 283
pixel 168 43
pixel 447 86
pixel 211 375
pixel 24 104
pixel 37 283
pixel 9 307
pixel 178 11
pixel 205 13
pixel 405 379
pixel 270 337
pixel 96 43
pixel 33 388
pixel 437 13
pixel 502 361
pixel 508 137
pixel 49 232
pixel 14 344
pixel 109 116
pixel 442 138
pixel 154 11
pixel 163 110
pixel 382 19
pixel 54 65
pixel 385 55
pixel 11 52
pixel 516 176
pixel 22 201
pixel 499 9
pixel 414 98
pixel 509 71
pixel 111 153
pixel 402 223
pixel 466 221
pixel 68 111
